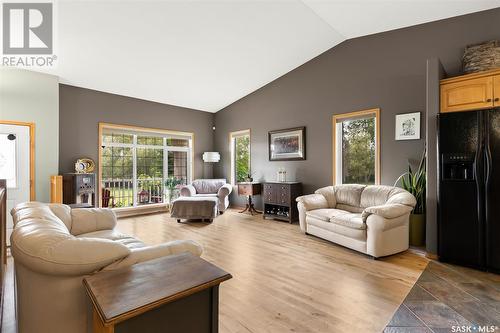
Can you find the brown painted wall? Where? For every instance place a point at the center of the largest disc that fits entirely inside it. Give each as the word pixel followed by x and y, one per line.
pixel 386 70
pixel 80 111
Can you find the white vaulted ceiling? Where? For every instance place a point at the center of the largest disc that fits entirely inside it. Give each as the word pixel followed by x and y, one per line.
pixel 206 54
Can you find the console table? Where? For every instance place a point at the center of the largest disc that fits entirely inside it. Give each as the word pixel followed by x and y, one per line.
pixel 279 200
pixel 178 293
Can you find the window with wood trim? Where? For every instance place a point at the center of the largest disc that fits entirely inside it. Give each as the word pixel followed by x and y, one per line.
pixel 356 156
pixel 240 155
pixel 138 165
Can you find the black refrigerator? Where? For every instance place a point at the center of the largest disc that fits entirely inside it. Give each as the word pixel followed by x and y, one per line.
pixel 469 188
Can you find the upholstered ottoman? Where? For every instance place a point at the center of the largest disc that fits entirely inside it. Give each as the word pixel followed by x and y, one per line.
pixel 190 208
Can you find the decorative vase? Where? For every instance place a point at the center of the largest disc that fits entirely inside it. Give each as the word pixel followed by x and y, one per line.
pixel 417 229
pixel 281 175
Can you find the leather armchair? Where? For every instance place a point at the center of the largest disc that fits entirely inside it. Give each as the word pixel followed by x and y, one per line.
pixel 54 247
pixel 218 188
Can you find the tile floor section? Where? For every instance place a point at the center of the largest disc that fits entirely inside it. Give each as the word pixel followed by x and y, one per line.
pixel 449 298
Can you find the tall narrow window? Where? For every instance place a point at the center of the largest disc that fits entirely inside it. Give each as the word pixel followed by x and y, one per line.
pixel 356 148
pixel 136 163
pixel 240 155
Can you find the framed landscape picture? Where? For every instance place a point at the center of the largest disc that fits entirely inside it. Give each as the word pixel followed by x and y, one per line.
pixel 408 126
pixel 287 144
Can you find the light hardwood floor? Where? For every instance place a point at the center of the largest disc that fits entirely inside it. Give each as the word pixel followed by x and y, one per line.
pixel 284 281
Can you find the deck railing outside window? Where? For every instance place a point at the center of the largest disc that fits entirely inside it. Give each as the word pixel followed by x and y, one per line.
pixel 135 167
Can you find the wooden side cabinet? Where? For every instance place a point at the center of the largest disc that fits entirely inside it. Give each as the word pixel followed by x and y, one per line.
pixel 496 90
pixel 177 293
pixel 471 92
pixel 279 200
pixel 249 190
pixel 56 189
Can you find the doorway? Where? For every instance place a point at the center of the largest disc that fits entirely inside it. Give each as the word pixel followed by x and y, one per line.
pixel 16 165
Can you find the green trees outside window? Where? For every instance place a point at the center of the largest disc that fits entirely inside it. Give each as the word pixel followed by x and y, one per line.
pixel 117 168
pixel 242 157
pixel 358 151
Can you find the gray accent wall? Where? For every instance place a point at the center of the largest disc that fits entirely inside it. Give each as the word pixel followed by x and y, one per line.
pixel 386 70
pixel 81 110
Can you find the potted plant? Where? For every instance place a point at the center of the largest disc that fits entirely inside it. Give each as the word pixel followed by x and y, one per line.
pixel 172 184
pixel 414 181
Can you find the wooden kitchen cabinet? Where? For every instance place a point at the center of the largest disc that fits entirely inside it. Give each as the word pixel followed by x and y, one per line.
pixel 496 90
pixel 467 95
pixel 471 92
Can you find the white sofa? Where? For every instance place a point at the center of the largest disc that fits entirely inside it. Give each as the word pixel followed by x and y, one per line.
pixel 372 219
pixel 213 188
pixel 54 247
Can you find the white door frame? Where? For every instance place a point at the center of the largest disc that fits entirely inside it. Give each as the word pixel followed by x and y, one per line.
pixel 32 151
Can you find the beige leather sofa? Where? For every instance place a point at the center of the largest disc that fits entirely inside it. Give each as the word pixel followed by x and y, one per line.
pixel 372 219
pixel 213 188
pixel 54 247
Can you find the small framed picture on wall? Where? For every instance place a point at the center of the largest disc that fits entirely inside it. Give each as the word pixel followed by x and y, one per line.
pixel 408 126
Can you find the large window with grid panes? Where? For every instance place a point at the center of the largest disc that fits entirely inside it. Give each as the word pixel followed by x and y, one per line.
pixel 140 166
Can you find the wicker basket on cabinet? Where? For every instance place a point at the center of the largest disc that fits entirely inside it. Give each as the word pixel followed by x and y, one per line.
pixel 481 57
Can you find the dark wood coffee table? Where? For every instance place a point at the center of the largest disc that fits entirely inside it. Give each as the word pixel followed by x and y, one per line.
pixel 178 293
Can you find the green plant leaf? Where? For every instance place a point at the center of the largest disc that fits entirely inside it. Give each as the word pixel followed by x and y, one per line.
pixel 414 181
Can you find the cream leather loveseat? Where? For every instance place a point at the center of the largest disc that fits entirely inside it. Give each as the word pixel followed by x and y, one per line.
pixel 54 247
pixel 372 219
